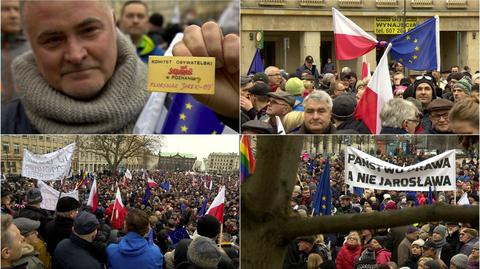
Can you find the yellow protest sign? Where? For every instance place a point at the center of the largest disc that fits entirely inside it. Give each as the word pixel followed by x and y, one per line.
pixel 194 75
pixel 393 25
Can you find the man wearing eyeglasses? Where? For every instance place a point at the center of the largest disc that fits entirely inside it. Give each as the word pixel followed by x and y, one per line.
pixel 279 105
pixel 438 110
pixel 274 77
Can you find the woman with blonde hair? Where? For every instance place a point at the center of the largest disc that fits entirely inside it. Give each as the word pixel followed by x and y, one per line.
pixel 463 117
pixel 350 250
pixel 292 121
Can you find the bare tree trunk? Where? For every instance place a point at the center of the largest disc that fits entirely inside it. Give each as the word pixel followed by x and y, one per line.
pixel 268 223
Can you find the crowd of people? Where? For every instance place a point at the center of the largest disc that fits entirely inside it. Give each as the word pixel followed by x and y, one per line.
pixel 430 245
pixel 310 102
pixel 166 229
pixel 62 82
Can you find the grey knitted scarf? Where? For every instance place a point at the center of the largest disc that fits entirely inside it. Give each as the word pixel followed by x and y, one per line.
pixel 114 110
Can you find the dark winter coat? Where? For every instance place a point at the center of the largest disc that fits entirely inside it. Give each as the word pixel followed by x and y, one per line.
pixel 56 230
pixel 15 120
pixel 75 253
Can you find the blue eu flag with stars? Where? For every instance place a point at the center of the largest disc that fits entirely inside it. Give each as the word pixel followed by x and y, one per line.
pixel 417 49
pixel 188 116
pixel 323 196
pixel 257 64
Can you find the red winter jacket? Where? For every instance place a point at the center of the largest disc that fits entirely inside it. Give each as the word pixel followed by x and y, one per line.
pixel 382 256
pixel 347 255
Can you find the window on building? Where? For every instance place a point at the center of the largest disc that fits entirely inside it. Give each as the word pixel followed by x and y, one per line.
pixel 16 148
pixel 6 148
pixel 13 167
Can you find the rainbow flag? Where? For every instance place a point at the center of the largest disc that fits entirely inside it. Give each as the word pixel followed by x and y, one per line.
pixel 247 163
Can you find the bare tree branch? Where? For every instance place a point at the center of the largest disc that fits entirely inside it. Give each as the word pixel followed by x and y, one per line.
pixel 297 226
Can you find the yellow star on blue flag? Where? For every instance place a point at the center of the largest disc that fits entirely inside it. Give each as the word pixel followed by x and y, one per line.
pixel 419 45
pixel 187 115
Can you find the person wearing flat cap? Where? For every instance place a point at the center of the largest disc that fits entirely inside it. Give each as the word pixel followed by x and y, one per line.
pixel 33 211
pixel 257 127
pixel 279 105
pixel 77 251
pixel 438 113
pixel 256 106
pixel 28 229
pixel 61 227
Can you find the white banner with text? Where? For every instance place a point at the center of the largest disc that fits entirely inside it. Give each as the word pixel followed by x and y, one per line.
pixel 365 171
pixel 50 196
pixel 51 166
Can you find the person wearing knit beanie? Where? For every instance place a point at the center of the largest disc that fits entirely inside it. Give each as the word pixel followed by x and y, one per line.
pixel 414 254
pixel 424 90
pixel 459 261
pixel 440 243
pixel 203 253
pixel 295 87
pixel 462 89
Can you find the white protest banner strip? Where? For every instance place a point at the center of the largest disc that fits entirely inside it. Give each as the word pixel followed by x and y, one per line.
pixel 365 171
pixel 50 196
pixel 51 166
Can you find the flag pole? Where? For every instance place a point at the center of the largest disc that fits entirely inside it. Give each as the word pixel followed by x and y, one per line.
pixel 220 238
pixel 61 189
pixel 455 194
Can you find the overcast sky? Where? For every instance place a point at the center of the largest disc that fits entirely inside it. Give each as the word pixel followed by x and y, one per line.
pixel 200 145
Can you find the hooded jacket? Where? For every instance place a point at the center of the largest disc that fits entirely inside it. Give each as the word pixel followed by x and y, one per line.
pixel 382 256
pixel 347 255
pixel 134 251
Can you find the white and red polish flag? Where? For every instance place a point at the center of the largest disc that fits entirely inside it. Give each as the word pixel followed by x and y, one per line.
pixel 151 183
pixel 118 212
pixel 93 197
pixel 377 93
pixel 218 205
pixel 365 68
pixel 351 41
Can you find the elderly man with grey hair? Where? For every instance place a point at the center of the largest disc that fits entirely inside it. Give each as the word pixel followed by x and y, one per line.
pixel 317 115
pixel 399 116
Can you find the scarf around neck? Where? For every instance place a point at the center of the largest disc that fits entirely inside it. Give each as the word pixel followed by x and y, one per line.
pixel 114 110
